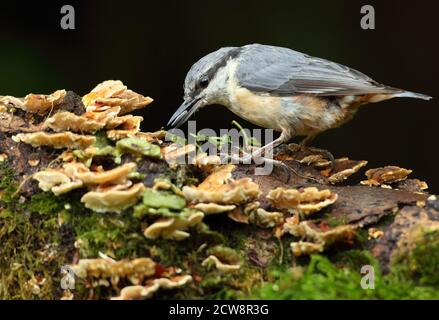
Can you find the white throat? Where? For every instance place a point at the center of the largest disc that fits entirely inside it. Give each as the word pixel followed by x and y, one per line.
pixel 219 90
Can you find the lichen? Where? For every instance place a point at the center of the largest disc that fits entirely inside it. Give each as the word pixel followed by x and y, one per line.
pixel 137 147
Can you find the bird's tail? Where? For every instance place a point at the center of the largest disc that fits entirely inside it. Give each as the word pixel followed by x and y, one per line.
pixel 385 94
pixel 409 94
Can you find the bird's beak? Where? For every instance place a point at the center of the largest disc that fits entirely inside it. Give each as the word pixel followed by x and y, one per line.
pixel 185 111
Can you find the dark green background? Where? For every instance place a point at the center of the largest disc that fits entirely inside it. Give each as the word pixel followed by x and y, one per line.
pixel 150 45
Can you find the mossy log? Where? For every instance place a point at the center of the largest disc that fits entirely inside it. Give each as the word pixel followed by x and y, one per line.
pixel 393 226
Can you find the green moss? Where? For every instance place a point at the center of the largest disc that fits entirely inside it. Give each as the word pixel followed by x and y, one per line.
pixel 32 244
pixel 419 258
pixel 45 203
pixel 31 248
pixel 321 279
pixel 204 232
pixel 334 221
pixel 119 236
pixel 354 259
pixel 8 183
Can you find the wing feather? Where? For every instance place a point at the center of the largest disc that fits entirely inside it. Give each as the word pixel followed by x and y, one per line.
pixel 282 71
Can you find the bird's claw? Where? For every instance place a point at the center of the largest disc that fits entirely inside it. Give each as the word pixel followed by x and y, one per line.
pixel 247 157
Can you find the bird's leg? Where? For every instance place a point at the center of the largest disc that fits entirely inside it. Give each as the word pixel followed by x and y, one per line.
pixel 268 147
pixel 304 144
pixel 267 159
pixel 307 140
pixel 256 154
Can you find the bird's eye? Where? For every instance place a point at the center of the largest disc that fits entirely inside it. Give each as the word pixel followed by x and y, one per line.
pixel 204 82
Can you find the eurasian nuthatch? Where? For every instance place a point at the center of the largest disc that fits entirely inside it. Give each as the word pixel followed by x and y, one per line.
pixel 281 89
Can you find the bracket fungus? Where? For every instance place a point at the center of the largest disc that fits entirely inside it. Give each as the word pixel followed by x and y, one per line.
pixel 123 127
pixel 301 248
pixel 321 236
pixel 221 188
pixel 221 266
pixel 108 268
pixel 114 93
pixel 173 228
pixel 112 200
pixel 385 175
pixel 145 292
pixel 137 271
pixel 35 103
pixel 335 171
pixel 261 217
pixel 307 201
pixel 55 140
pixel 75 175
pixel 212 208
pixel 175 152
pixel 224 259
pixel 55 181
pixel 342 169
pixel 159 199
pixel 67 121
pixel 114 176
pixel 412 185
pixel 205 160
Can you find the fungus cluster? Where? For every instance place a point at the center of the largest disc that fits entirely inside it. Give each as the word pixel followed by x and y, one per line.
pixel 315 237
pixel 336 171
pixel 34 103
pixel 141 272
pixel 307 201
pixel 385 175
pixel 108 188
pixel 222 189
pixel 104 107
pixel 301 204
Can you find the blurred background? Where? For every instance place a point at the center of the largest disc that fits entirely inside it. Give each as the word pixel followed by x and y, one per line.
pixel 150 45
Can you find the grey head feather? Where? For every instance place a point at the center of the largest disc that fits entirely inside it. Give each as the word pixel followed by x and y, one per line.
pixel 207 67
pixel 285 72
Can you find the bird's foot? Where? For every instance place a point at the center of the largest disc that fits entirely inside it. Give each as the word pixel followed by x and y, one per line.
pixel 268 164
pixel 246 158
pixel 302 147
pixel 325 153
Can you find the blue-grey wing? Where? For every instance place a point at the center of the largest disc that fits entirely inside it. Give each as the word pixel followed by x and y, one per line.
pixel 282 71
